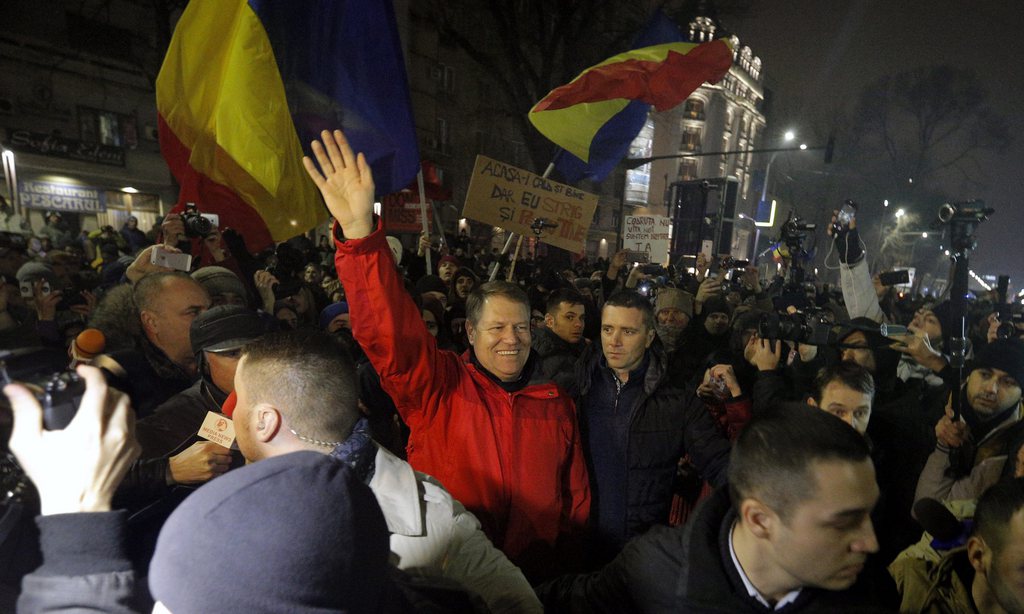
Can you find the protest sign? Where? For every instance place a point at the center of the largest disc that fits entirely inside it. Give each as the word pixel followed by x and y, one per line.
pixel 503 195
pixel 403 215
pixel 647 234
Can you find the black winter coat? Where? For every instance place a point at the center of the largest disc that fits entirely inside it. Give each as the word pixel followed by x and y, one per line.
pixel 664 426
pixel 558 358
pixel 688 569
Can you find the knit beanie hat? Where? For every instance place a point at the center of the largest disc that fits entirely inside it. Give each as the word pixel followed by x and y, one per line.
pixel 1005 355
pixel 716 304
pixel 448 258
pixel 217 280
pixel 431 283
pixel 294 533
pixel 332 311
pixel 674 298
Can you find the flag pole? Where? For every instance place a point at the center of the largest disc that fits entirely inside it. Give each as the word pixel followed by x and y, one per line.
pixel 423 216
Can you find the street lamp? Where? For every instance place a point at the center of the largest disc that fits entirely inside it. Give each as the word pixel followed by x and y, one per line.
pixel 900 212
pixel 788 136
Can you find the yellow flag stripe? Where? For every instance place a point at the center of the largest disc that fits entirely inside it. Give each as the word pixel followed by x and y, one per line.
pixel 220 92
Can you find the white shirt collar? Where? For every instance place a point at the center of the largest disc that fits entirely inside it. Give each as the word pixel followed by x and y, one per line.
pixel 751 590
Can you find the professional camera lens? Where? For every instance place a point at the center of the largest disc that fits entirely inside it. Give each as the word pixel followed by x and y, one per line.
pixel 197 226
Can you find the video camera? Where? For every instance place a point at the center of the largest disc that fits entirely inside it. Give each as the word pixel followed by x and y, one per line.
pixel 1009 326
pixel 794 231
pixel 540 223
pixel 967 210
pixel 811 327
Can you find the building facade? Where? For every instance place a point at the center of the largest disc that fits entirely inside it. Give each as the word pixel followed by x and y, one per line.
pixel 717 125
pixel 78 113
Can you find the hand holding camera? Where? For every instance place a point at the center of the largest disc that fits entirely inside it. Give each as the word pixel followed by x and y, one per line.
pixel 100 439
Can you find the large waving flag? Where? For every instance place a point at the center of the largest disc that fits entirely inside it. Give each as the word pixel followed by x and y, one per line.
pixel 245 86
pixel 596 116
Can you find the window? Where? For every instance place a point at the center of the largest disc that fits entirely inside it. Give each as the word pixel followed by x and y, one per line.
pixel 441 135
pixel 107 128
pixel 689 169
pixel 694 108
pixel 691 139
pixel 638 181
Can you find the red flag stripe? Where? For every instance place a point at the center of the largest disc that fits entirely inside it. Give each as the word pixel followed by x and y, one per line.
pixel 656 83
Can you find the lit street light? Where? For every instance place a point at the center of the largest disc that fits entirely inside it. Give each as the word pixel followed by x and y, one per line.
pixel 900 212
pixel 789 135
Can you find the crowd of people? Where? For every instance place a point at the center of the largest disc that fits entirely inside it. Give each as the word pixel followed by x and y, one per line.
pixel 327 427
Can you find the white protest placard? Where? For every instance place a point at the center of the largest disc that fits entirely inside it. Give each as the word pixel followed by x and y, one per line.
pixel 647 234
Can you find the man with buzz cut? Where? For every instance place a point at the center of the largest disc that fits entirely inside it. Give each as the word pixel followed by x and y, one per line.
pixel 791 532
pixel 500 436
pixel 299 391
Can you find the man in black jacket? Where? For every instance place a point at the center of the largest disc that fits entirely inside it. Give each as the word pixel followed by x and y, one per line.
pixel 560 343
pixel 792 531
pixel 636 425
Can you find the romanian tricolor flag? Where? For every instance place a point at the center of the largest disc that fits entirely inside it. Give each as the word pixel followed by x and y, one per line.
pixel 245 86
pixel 592 119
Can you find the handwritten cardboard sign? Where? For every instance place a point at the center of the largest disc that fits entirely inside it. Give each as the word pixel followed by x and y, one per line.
pixel 503 195
pixel 647 234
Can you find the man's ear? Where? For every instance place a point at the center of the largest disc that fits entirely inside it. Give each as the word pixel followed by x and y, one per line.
pixel 470 331
pixel 812 402
pixel 549 320
pixel 268 422
pixel 976 549
pixel 149 321
pixel 758 518
pixel 650 337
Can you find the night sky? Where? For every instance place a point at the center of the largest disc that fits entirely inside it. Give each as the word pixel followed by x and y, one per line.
pixel 819 55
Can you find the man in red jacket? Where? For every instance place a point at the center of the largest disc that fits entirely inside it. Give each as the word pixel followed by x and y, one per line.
pixel 503 443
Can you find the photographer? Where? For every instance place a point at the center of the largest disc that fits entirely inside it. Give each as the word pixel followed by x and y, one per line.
pixel 858 289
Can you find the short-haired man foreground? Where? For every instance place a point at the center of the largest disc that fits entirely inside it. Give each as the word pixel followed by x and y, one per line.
pixel 299 391
pixel 792 530
pixel 987 574
pixel 502 438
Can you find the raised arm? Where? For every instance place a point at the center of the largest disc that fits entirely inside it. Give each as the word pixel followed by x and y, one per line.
pixel 385 320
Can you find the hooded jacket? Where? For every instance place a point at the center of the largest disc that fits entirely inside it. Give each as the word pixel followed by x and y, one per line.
pixel 514 459
pixel 431 533
pixel 558 357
